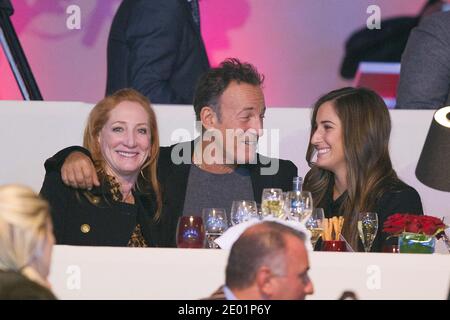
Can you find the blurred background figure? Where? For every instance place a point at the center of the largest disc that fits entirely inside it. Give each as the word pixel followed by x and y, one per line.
pixel 26 242
pixel 383 45
pixel 425 67
pixel 155 47
pixel 269 261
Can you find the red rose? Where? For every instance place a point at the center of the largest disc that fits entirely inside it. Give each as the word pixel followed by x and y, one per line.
pixel 428 228
pixel 415 225
pixel 395 223
pixel 398 223
pixel 430 225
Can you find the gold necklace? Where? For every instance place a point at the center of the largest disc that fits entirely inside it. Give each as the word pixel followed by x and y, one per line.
pixel 129 198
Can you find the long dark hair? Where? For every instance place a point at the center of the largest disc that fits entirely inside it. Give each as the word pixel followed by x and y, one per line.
pixel 366 127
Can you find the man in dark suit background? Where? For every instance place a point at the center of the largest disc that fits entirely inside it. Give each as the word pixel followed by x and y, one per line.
pixel 155 47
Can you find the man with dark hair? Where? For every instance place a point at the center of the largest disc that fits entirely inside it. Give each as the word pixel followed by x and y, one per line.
pixel 156 48
pixel 221 165
pixel 269 261
pixel 213 84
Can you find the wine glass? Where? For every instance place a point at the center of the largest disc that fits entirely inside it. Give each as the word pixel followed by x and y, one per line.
pixel 367 228
pixel 315 225
pixel 299 205
pixel 190 232
pixel 272 203
pixel 215 220
pixel 243 210
pixel 446 235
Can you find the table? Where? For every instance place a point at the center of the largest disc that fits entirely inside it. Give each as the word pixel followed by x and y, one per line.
pixel 166 273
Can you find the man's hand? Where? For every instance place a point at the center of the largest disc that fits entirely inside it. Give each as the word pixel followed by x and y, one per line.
pixel 78 171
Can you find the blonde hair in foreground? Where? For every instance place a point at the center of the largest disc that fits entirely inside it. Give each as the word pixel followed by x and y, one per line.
pixel 24 229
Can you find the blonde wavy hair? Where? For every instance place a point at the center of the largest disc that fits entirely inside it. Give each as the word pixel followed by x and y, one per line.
pixel 25 232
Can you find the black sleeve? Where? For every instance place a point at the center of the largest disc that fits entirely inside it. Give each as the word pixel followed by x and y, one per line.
pixel 403 201
pixel 56 162
pixel 57 195
pixel 154 34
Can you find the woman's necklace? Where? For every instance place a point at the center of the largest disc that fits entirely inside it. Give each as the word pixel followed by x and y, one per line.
pixel 128 198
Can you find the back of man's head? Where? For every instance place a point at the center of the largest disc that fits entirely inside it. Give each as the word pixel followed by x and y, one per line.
pixel 214 82
pixel 266 245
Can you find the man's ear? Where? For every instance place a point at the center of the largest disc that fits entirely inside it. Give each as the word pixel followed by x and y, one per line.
pixel 208 117
pixel 265 282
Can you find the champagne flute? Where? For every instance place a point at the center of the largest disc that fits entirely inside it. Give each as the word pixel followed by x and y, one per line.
pixel 367 228
pixel 215 220
pixel 190 232
pixel 299 205
pixel 272 203
pixel 243 210
pixel 315 225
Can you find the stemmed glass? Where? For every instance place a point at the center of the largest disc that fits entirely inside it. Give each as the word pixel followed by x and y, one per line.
pixel 243 210
pixel 215 220
pixel 367 228
pixel 299 205
pixel 446 235
pixel 315 225
pixel 190 232
pixel 272 203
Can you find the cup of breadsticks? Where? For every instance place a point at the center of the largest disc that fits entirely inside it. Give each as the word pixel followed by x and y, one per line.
pixel 331 236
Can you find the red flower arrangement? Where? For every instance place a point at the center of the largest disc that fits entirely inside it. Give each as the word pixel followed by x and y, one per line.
pixel 398 223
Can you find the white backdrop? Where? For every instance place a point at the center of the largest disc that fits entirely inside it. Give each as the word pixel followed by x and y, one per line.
pixel 33 131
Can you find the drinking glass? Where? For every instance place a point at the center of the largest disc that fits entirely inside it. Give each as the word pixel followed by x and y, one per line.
pixel 215 221
pixel 243 210
pixel 446 235
pixel 190 232
pixel 367 228
pixel 315 225
pixel 272 203
pixel 299 205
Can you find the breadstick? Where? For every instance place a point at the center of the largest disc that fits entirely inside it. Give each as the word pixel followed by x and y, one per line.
pixel 325 229
pixel 329 229
pixel 341 224
pixel 336 227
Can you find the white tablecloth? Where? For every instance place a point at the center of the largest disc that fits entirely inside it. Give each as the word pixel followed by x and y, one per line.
pixel 152 273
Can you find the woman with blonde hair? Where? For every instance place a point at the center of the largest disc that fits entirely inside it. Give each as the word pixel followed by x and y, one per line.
pixel 121 136
pixel 26 241
pixel 351 170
